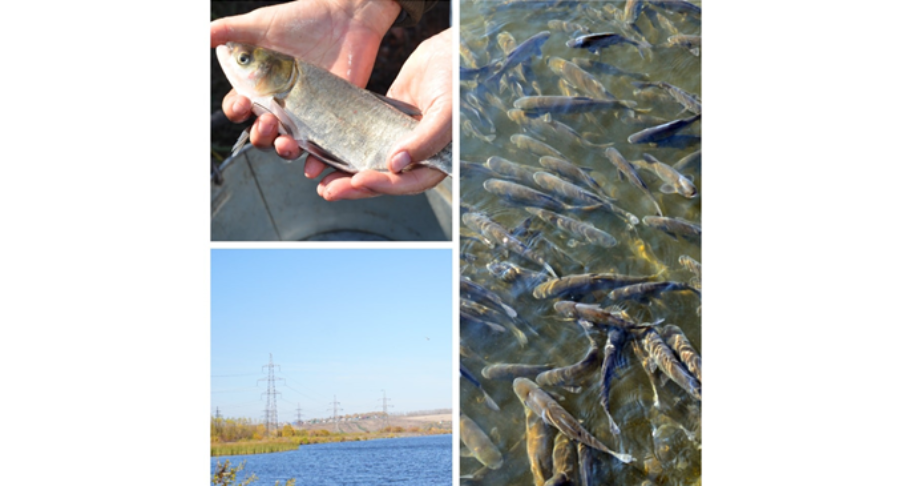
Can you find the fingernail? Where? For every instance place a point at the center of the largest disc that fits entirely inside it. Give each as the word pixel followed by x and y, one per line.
pixel 238 106
pixel 266 128
pixel 400 161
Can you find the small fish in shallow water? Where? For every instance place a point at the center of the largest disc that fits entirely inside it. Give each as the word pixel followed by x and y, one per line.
pixel 689 42
pixel 512 273
pixel 491 404
pixel 671 366
pixel 689 101
pixel 500 236
pixel 673 181
pixel 565 460
pixel 540 105
pixel 596 42
pixel 569 171
pixel 576 228
pixel 599 315
pixel 573 374
pixel 674 226
pixel 675 338
pixel 552 413
pixel 479 443
pixel 477 291
pixel 614 341
pixel 643 291
pixel 586 283
pixel 504 371
pixel 628 171
pixel 662 132
pixel 539 446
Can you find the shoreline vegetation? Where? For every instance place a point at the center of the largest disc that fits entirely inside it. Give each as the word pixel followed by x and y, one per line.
pixel 242 436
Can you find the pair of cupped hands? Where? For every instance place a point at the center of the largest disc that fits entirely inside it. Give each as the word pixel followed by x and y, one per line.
pixel 343 36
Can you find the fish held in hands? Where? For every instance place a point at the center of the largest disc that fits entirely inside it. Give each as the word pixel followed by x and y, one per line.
pixel 345 126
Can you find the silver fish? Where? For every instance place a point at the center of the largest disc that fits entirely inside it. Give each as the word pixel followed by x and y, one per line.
pixel 573 374
pixel 661 132
pixel 586 283
pixel 565 458
pixel 599 315
pixel 576 228
pixel 477 291
pixel 479 443
pixel 345 126
pixel 675 338
pixel 671 366
pixel 675 227
pixel 511 371
pixel 629 172
pixel 571 172
pixel 552 413
pixel 614 341
pixel 499 235
pixel 673 181
pixel 539 445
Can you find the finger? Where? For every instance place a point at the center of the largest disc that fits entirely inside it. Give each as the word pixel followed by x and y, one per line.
pixel 237 108
pixel 264 131
pixel 410 182
pixel 287 148
pixel 314 167
pixel 239 28
pixel 431 135
pixel 336 186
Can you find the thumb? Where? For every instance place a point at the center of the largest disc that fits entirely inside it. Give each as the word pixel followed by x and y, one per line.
pixel 431 135
pixel 243 29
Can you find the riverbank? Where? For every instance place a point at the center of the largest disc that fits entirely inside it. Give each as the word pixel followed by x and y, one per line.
pixel 356 431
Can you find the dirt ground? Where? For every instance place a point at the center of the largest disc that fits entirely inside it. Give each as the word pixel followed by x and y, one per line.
pixel 424 422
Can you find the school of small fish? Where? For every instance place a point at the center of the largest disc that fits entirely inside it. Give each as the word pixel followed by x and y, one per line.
pixel 580 242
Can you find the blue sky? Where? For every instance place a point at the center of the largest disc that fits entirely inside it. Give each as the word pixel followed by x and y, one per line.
pixel 344 323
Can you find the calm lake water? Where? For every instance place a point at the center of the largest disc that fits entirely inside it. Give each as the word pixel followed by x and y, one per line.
pixel 422 461
pixel 664 439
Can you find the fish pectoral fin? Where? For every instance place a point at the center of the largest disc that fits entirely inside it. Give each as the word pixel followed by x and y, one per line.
pixel 329 158
pixel 401 106
pixel 667 189
pixel 241 141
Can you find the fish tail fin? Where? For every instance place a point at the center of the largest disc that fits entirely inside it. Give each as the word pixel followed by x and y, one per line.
pixel 491 404
pixel 613 427
pixel 626 458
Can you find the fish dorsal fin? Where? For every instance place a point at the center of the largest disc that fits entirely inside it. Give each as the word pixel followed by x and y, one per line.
pixel 401 106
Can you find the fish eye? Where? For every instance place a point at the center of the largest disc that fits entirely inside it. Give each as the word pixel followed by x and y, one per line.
pixel 243 58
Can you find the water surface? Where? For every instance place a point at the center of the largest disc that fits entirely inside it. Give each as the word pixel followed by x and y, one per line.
pixel 424 461
pixel 658 438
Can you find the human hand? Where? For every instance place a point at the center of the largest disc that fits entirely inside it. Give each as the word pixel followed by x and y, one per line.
pixel 341 36
pixel 426 82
